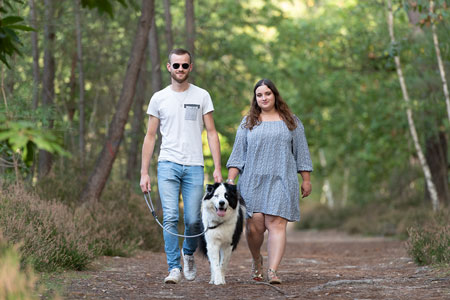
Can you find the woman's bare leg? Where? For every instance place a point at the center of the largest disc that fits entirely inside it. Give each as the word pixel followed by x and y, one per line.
pixel 255 234
pixel 276 242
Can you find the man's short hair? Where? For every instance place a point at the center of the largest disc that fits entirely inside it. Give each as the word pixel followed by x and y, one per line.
pixel 180 51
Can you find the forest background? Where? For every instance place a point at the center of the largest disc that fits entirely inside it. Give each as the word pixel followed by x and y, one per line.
pixel 77 77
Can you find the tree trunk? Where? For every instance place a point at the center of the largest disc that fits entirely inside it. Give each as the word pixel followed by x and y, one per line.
pixel 436 155
pixel 81 141
pixel 106 158
pixel 136 124
pixel 168 19
pixel 412 127
pixel 35 52
pixel 190 26
pixel 157 83
pixel 153 47
pixel 326 188
pixel 48 85
pixel 439 59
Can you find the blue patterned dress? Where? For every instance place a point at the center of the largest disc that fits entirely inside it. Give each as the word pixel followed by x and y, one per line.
pixel 268 158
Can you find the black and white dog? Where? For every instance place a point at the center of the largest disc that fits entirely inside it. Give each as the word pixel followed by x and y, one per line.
pixel 223 213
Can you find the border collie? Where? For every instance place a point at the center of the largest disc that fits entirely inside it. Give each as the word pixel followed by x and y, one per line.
pixel 223 214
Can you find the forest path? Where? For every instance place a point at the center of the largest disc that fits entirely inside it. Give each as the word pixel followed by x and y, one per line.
pixel 317 264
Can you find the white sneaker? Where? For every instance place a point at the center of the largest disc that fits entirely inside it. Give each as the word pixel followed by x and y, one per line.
pixel 174 276
pixel 189 268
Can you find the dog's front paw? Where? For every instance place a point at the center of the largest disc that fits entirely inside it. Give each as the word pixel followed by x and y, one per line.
pixel 219 280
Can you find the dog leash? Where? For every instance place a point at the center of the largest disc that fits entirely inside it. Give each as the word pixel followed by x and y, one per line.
pixel 152 210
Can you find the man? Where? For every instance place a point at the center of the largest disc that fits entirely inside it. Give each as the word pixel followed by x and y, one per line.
pixel 181 110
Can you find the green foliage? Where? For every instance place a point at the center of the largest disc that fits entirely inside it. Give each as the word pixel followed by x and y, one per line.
pixel 103 6
pixel 9 27
pixel 24 137
pixel 429 243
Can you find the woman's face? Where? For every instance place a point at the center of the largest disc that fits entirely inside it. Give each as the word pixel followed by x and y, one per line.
pixel 265 98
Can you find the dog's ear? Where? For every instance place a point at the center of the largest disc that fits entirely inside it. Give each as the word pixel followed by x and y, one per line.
pixel 210 188
pixel 231 187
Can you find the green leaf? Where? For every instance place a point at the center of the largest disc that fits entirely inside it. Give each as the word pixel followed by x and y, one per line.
pixel 11 33
pixel 22 27
pixel 10 20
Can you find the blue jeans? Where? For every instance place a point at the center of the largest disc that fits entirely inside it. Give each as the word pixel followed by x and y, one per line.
pixel 172 177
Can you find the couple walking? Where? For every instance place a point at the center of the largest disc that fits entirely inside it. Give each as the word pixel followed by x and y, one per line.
pixel 269 150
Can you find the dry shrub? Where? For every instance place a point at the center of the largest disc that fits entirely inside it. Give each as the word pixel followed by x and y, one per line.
pixel 382 218
pixel 429 243
pixel 49 234
pixel 15 282
pixel 125 212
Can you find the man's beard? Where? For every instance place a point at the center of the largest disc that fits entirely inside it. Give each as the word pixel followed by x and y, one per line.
pixel 174 76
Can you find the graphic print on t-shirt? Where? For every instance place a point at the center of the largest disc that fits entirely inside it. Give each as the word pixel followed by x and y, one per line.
pixel 191 111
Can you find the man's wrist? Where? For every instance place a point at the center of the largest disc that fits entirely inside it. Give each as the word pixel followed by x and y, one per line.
pixel 229 180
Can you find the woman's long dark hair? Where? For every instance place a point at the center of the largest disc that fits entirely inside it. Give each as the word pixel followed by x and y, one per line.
pixel 281 107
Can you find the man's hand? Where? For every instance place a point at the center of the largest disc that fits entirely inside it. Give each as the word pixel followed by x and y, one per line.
pixel 145 183
pixel 217 175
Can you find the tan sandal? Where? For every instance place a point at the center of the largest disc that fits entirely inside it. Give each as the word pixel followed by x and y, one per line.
pixel 257 274
pixel 272 276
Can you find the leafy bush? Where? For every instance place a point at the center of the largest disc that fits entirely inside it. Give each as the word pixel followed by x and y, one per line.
pixel 430 243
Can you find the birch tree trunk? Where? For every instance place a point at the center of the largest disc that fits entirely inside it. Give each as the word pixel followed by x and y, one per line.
pixel 81 141
pixel 439 59
pixel 106 158
pixel 190 31
pixel 48 85
pixel 35 53
pixel 412 127
pixel 168 21
pixel 326 188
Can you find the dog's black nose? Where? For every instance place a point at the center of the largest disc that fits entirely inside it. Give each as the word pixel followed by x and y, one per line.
pixel 221 203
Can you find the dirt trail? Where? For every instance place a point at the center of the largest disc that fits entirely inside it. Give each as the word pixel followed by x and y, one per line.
pixel 327 265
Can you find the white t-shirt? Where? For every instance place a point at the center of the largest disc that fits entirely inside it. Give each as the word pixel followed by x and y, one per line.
pixel 181 123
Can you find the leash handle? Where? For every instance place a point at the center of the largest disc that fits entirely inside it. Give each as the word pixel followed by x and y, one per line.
pixel 152 210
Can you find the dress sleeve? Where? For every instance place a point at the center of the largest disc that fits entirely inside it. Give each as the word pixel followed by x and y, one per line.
pixel 239 154
pixel 300 148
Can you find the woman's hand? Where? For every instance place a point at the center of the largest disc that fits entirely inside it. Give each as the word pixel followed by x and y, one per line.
pixel 306 188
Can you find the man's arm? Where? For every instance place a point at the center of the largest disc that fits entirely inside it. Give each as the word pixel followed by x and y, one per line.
pixel 214 145
pixel 147 153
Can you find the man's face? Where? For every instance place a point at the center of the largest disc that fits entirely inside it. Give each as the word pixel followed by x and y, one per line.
pixel 179 67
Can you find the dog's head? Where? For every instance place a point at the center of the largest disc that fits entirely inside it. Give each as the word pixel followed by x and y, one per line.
pixel 222 196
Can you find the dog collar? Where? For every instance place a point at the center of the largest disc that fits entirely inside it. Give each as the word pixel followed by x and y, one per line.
pixel 215 226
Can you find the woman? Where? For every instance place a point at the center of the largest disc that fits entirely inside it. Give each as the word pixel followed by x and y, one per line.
pixel 269 150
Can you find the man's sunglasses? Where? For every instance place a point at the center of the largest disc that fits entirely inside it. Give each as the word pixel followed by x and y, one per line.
pixel 177 65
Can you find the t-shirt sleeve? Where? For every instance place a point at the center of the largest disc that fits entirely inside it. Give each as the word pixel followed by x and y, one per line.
pixel 238 155
pixel 207 104
pixel 153 107
pixel 300 148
